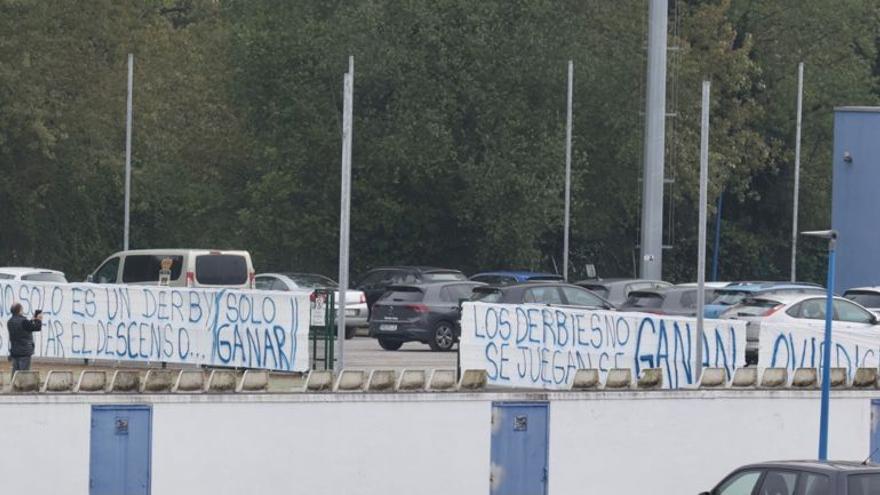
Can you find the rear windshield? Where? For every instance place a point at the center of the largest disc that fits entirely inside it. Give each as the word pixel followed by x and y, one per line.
pixel 486 295
pixel 494 279
pixel 863 484
pixel 5 276
pixel 312 281
pixel 221 269
pixel 45 277
pixel 642 300
pixel 754 307
pixel 443 276
pixel 866 299
pixel 403 295
pixel 146 267
pixel 598 289
pixel 729 297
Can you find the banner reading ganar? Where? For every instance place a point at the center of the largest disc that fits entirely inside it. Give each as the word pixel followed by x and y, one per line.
pixel 783 345
pixel 534 346
pixel 243 328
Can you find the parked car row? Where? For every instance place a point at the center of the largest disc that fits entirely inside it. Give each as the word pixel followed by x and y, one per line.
pixel 402 304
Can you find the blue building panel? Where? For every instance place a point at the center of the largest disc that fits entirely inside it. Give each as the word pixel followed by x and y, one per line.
pixel 856 196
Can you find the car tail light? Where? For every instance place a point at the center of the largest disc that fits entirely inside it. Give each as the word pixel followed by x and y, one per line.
pixel 772 310
pixel 190 279
pixel 418 308
pixel 313 296
pixel 363 298
pixel 252 279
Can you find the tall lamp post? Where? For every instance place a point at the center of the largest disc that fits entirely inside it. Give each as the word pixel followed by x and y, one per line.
pixel 831 236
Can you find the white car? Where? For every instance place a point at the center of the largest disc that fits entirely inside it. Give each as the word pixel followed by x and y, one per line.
pixel 356 311
pixel 803 309
pixel 868 297
pixel 32 274
pixel 182 267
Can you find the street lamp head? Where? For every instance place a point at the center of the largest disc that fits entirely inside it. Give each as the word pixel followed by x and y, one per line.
pixel 822 234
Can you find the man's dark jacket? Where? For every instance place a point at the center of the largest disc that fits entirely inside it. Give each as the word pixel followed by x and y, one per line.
pixel 21 335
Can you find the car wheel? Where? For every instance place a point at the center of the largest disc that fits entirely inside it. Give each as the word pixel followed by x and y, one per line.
pixel 443 337
pixel 390 345
pixel 349 332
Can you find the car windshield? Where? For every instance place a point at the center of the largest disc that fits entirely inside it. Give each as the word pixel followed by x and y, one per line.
pixel 863 484
pixel 312 281
pixel 45 277
pixel 601 290
pixel 486 295
pixel 729 297
pixel 643 300
pixel 443 276
pixel 866 299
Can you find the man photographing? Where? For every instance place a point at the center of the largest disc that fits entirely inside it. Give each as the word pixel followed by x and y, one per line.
pixel 21 337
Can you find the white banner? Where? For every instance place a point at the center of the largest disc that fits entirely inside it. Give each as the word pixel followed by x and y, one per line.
pixel 783 345
pixel 536 346
pixel 243 328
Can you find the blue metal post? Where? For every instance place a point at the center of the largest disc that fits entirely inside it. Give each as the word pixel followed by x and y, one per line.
pixel 826 355
pixel 717 236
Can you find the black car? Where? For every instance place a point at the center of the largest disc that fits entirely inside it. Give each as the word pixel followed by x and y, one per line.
pixel 673 301
pixel 426 313
pixel 375 282
pixel 557 293
pixel 803 478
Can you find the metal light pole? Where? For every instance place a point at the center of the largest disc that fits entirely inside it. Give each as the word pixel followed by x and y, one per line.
pixel 831 235
pixel 345 206
pixel 797 172
pixel 655 147
pixel 701 242
pixel 567 171
pixel 717 249
pixel 128 150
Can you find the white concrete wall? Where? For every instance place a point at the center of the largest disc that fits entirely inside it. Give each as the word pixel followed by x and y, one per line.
pixel 45 448
pixel 366 448
pixel 622 443
pixel 669 445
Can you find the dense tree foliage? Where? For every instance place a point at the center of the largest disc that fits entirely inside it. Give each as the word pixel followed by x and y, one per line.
pixel 459 128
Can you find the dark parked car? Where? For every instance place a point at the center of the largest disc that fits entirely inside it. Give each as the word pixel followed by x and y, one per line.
pixel 375 282
pixel 426 313
pixel 616 290
pixel 673 301
pixel 801 478
pixel 542 293
pixel 513 277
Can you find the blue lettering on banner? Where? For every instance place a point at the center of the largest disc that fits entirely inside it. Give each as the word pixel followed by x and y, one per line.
pixel 543 347
pixel 200 326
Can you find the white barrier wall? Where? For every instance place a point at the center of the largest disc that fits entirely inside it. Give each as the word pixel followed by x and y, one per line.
pixel 244 328
pixel 625 443
pixel 667 445
pixel 45 448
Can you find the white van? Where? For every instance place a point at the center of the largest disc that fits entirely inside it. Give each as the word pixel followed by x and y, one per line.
pixel 188 268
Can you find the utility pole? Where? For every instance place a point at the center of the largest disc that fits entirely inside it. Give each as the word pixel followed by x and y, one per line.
pixel 345 206
pixel 797 172
pixel 567 171
pixel 655 137
pixel 701 242
pixel 128 151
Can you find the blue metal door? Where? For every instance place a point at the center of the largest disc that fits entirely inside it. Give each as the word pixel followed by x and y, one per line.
pixel 119 462
pixel 519 448
pixel 875 431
